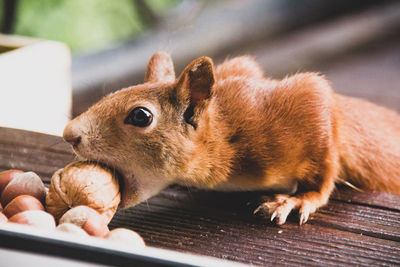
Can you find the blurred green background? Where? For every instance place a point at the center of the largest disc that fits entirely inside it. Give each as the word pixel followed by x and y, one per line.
pixel 85 25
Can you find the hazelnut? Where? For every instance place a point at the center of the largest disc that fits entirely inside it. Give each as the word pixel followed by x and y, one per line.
pixel 6 177
pixel 37 218
pixel 71 228
pixel 125 236
pixel 27 183
pixel 84 183
pixel 3 218
pixel 22 203
pixel 88 219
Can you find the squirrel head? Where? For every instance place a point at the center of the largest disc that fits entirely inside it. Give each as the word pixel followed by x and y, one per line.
pixel 147 132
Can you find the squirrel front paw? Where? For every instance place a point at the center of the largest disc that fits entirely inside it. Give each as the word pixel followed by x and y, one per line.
pixel 281 207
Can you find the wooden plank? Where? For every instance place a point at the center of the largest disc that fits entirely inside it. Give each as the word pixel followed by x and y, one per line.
pixel 42 141
pixel 43 162
pixel 227 229
pixel 371 198
pixel 360 219
pixel 30 151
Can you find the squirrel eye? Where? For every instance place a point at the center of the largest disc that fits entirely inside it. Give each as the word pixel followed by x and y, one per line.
pixel 140 117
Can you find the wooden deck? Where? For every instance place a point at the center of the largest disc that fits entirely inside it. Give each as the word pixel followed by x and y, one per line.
pixel 353 229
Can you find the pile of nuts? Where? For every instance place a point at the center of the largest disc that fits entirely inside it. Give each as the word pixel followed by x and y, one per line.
pixel 82 199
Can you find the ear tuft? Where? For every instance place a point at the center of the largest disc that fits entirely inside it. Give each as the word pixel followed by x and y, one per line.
pixel 160 68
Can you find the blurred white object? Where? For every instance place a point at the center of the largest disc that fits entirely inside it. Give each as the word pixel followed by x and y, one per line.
pixel 35 84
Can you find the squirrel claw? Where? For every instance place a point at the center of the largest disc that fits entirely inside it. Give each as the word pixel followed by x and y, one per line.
pixel 303 218
pixel 258 209
pixel 306 209
pixel 283 206
pixel 273 216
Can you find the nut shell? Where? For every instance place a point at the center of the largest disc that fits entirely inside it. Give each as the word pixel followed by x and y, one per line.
pixel 83 183
pixel 71 228
pixel 35 218
pixel 3 218
pixel 27 183
pixel 6 177
pixel 22 203
pixel 125 236
pixel 87 218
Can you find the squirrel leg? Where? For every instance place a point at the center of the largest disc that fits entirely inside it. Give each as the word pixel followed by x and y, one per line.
pixel 305 202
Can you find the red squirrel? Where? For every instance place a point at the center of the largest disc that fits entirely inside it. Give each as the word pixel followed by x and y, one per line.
pixel 231 128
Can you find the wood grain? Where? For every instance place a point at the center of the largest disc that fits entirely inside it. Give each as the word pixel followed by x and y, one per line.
pixel 30 151
pixel 223 226
pixel 375 198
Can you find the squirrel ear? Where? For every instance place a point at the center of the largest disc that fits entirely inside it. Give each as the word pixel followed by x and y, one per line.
pixel 197 80
pixel 160 68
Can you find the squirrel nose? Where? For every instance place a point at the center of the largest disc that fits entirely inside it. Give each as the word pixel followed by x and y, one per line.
pixel 71 136
pixel 73 140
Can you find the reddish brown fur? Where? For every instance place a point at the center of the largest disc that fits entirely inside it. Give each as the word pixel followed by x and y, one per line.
pixel 233 129
pixel 370 151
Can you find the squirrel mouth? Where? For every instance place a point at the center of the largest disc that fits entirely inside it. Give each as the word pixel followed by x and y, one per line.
pixel 122 181
pixel 127 187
